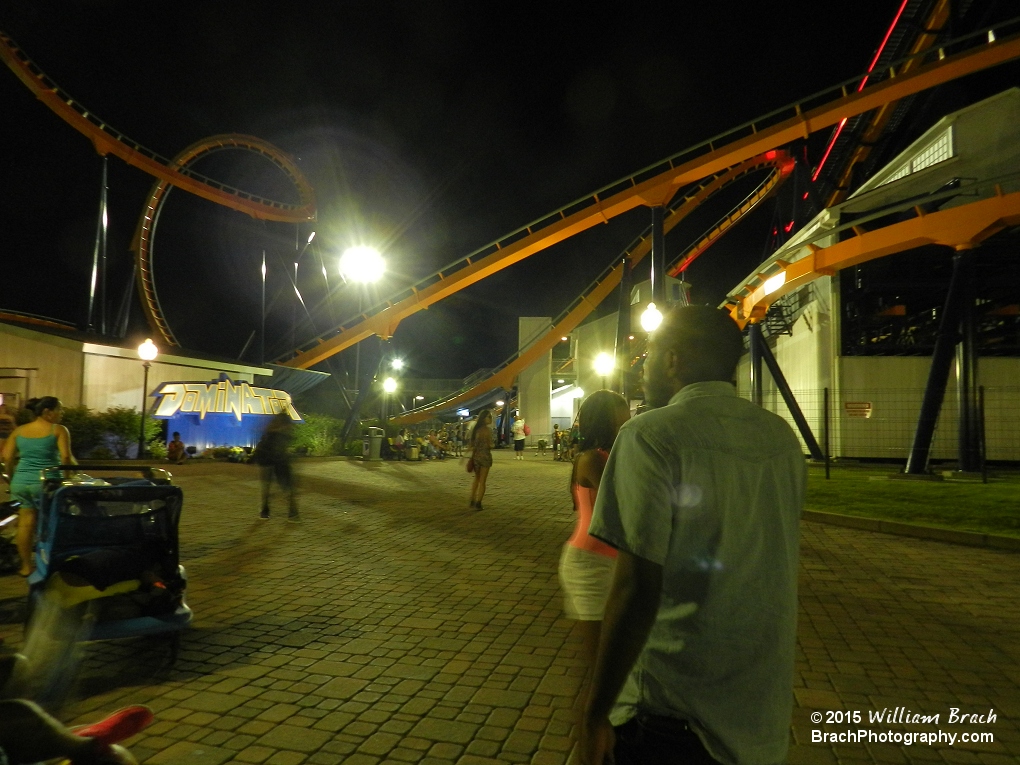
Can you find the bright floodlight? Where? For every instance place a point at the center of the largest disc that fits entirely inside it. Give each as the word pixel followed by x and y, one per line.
pixel 500 403
pixel 362 264
pixel 397 364
pixel 604 364
pixel 651 318
pixel 389 385
pixel 147 351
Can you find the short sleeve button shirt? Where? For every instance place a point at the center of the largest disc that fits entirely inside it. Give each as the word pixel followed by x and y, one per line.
pixel 711 487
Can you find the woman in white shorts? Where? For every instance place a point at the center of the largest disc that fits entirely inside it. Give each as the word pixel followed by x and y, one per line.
pixel 586 565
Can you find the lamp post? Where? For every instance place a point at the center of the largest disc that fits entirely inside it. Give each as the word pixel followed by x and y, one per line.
pixel 147 351
pixel 363 265
pixel 389 386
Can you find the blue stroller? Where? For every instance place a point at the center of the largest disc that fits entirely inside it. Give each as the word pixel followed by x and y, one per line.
pixel 107 558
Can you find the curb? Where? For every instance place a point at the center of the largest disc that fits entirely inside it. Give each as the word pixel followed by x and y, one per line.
pixel 951 536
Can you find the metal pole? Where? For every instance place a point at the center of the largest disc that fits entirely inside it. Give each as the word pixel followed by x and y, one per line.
pixel 104 219
pixel 658 259
pixel 825 429
pixel 623 330
pixel 262 352
pixel 938 377
pixel 145 398
pixel 981 429
pixel 968 436
pixel 754 343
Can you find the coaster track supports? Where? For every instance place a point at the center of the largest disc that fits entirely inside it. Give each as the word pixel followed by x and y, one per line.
pixel 765 353
pixel 938 374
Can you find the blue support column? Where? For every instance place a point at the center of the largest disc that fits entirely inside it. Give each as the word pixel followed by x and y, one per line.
pixel 623 332
pixel 938 375
pixel 791 402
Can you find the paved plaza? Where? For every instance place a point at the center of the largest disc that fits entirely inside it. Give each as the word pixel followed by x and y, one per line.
pixel 395 625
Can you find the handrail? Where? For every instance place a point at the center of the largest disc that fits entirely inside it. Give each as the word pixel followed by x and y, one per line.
pixel 657 184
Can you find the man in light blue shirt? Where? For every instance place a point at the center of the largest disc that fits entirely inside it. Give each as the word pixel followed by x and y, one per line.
pixel 702 497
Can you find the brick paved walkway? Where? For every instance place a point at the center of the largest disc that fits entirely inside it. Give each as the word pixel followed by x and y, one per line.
pixel 394 625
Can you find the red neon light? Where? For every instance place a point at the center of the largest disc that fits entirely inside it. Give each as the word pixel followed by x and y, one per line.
pixel 788 227
pixel 874 61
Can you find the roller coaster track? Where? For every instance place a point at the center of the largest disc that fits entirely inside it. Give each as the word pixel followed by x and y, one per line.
pixel 656 185
pixel 146 231
pixel 109 141
pixel 963 227
pixel 779 162
pixel 710 237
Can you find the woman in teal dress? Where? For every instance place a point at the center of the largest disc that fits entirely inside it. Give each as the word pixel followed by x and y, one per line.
pixel 30 449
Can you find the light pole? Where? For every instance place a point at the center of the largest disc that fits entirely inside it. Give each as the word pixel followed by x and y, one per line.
pixel 147 351
pixel 389 386
pixel 604 366
pixel 363 265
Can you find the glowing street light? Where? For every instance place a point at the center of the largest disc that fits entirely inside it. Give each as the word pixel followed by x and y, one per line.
pixel 389 385
pixel 651 318
pixel 397 364
pixel 147 352
pixel 362 264
pixel 500 403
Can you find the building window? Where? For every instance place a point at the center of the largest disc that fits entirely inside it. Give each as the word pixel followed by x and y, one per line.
pixel 937 151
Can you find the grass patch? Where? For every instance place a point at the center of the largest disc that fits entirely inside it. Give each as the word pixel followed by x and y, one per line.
pixel 992 508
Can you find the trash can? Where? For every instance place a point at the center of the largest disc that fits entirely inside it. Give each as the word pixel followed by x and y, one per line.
pixel 412 452
pixel 372 445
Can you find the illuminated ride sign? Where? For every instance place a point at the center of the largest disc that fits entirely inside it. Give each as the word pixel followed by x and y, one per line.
pixel 222 397
pixel 220 413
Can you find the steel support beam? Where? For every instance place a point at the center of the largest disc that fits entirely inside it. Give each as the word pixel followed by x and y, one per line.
pixel 623 331
pixel 810 441
pixel 938 374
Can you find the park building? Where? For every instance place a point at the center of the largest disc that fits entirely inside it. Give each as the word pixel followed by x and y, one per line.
pixel 210 401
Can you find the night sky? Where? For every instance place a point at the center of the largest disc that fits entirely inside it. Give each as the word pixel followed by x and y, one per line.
pixel 427 128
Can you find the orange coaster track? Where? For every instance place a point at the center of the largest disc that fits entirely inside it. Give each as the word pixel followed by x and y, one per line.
pixel 779 162
pixel 657 185
pixel 146 231
pixel 110 141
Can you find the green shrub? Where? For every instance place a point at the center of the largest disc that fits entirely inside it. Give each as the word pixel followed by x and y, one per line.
pixel 318 436
pixel 157 449
pixel 85 427
pixel 121 426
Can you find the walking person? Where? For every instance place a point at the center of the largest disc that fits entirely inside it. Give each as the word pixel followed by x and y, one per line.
pixel 481 455
pixel 32 448
pixel 272 454
pixel 586 564
pixel 519 430
pixel 701 498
